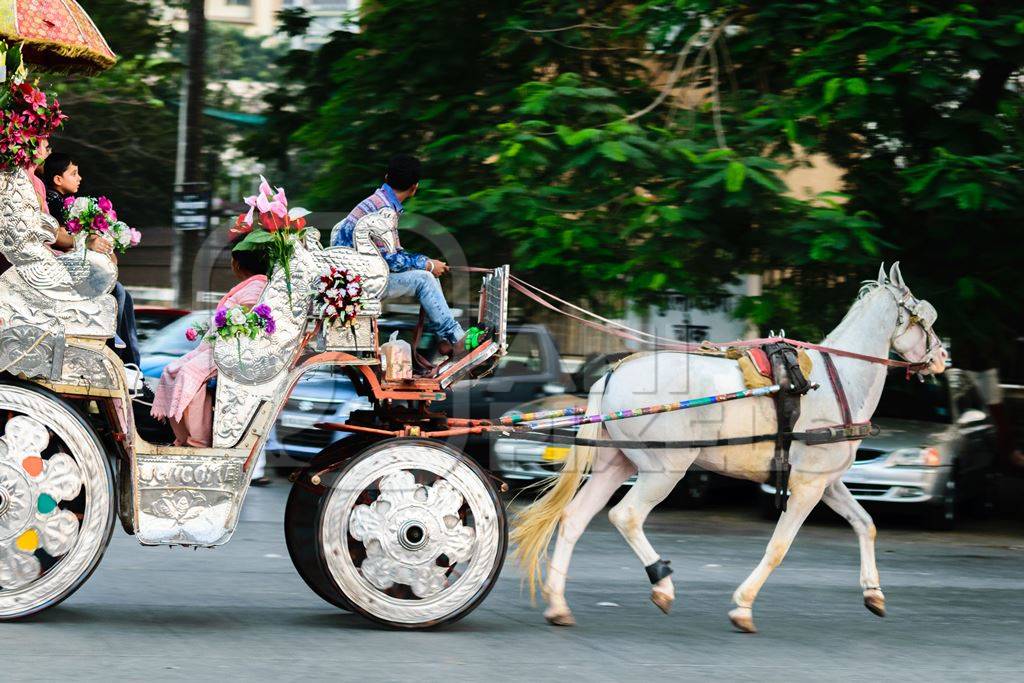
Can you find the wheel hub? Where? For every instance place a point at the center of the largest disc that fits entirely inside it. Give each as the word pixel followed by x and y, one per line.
pixel 407 530
pixel 412 535
pixel 15 493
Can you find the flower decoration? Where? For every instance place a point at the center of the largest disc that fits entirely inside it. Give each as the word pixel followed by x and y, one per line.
pixel 90 216
pixel 27 114
pixel 269 224
pixel 337 296
pixel 236 323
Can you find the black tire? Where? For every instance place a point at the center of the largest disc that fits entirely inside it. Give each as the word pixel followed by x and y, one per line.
pixel 500 524
pixel 302 519
pixel 942 516
pixel 69 417
pixel 301 515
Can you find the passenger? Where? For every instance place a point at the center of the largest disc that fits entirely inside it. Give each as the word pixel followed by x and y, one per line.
pixel 62 179
pixel 182 397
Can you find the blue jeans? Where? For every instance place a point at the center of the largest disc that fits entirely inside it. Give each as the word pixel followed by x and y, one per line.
pixel 425 287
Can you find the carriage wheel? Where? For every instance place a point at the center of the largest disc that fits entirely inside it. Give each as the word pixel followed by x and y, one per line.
pixel 412 533
pixel 56 500
pixel 300 528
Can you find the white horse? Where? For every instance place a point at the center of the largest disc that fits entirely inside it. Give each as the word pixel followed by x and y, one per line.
pixel 885 316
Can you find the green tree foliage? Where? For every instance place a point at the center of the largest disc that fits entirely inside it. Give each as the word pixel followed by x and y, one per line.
pixel 634 148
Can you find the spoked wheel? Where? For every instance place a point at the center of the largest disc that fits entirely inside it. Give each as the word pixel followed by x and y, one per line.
pixel 56 500
pixel 412 533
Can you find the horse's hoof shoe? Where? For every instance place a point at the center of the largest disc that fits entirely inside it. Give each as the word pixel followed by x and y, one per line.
pixel 875 602
pixel 743 620
pixel 561 619
pixel 662 600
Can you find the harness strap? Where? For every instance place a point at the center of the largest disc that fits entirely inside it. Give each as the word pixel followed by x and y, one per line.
pixel 837 389
pixel 817 436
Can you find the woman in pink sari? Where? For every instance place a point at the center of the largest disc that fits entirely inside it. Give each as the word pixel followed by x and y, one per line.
pixel 181 396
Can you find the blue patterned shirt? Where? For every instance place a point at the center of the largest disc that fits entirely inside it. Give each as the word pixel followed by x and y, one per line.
pixel 399 260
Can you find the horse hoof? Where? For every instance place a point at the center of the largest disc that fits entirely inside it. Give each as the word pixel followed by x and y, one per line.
pixel 875 602
pixel 662 600
pixel 742 619
pixel 560 618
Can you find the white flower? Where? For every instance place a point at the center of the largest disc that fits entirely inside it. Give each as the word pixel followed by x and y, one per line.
pixel 331 293
pixel 236 316
pixel 330 310
pixel 81 204
pixel 350 277
pixel 353 289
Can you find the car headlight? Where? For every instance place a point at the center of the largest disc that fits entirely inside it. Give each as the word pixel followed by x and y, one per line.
pixel 914 457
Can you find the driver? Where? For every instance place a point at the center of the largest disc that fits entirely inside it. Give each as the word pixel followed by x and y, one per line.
pixel 411 274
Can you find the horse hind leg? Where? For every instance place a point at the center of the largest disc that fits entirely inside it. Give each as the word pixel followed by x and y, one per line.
pixel 629 515
pixel 839 498
pixel 609 471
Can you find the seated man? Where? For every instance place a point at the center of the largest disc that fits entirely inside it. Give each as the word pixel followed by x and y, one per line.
pixel 411 274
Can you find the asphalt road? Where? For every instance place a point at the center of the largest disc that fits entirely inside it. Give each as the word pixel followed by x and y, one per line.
pixel 241 612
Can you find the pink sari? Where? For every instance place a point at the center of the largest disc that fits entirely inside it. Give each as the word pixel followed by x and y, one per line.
pixel 181 396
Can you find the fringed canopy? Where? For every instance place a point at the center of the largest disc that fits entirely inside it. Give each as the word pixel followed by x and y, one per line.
pixel 57 35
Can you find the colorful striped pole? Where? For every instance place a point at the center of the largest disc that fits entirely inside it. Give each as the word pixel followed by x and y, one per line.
pixel 574 419
pixel 516 418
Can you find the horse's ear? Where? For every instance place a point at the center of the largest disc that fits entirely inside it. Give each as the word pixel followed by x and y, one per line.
pixel 881 274
pixel 895 276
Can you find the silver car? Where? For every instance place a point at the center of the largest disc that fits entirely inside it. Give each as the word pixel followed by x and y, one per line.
pixel 935 451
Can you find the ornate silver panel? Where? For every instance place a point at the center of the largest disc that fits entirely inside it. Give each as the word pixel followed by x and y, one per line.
pixel 235 410
pixel 31 352
pixel 188 499
pixel 89 368
pixel 64 294
pixel 359 337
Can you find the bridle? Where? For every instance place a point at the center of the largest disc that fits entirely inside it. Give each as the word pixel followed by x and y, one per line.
pixel 912 311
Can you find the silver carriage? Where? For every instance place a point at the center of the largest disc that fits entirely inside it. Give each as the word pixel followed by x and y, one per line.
pixel 407 531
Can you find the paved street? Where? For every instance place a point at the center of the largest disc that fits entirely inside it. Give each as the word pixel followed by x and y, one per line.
pixel 955 602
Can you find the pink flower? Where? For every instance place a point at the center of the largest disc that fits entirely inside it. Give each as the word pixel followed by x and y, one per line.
pixel 68 201
pixel 104 204
pixel 191 334
pixel 73 226
pixel 136 236
pixel 100 223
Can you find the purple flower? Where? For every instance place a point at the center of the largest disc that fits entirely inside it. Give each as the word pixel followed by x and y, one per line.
pixel 221 318
pixel 271 326
pixel 262 311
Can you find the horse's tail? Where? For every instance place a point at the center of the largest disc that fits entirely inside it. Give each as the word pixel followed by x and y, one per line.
pixel 534 526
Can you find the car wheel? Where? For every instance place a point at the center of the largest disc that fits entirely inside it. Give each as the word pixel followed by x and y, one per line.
pixel 693 491
pixel 942 516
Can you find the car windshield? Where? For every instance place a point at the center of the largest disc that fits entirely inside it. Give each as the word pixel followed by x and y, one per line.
pixel 911 399
pixel 171 339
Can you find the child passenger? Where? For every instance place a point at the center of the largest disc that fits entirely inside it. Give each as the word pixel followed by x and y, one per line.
pixel 181 396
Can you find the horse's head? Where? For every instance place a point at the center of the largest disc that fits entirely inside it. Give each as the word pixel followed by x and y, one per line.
pixel 914 337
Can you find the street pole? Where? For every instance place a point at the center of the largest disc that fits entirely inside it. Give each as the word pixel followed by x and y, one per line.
pixel 189 167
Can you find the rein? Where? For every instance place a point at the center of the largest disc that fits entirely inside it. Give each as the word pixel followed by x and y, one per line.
pixel 607 326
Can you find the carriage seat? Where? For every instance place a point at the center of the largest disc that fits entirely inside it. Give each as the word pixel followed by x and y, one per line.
pixel 61 293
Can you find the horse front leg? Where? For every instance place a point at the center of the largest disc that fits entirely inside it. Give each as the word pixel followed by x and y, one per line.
pixel 839 498
pixel 610 470
pixel 803 497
